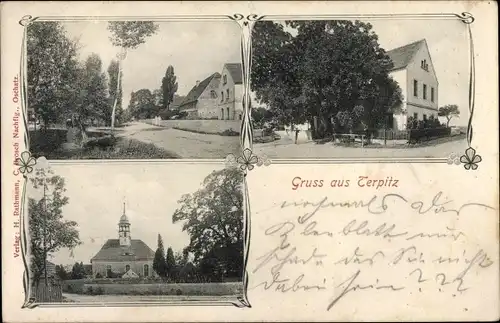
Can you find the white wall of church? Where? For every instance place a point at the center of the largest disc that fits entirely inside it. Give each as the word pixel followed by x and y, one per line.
pixel 100 266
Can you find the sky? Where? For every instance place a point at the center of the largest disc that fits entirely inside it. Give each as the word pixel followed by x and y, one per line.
pixel 195 50
pixel 150 192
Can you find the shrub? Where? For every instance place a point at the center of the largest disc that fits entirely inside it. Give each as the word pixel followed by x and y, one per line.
pixel 229 132
pixel 418 135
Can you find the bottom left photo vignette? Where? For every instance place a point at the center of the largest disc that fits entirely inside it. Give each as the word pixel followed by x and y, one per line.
pixel 134 234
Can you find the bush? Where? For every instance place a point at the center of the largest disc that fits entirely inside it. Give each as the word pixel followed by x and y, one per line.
pixel 418 135
pixel 229 132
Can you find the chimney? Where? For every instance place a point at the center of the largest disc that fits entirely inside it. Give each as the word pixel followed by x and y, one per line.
pixel 197 83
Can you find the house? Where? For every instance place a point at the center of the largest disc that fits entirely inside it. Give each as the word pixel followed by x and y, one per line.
pixel 230 102
pixel 118 256
pixel 201 100
pixel 413 70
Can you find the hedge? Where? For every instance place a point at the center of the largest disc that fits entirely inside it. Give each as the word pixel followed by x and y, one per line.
pixel 198 289
pixel 417 135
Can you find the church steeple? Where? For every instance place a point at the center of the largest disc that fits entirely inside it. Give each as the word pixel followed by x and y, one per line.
pixel 124 229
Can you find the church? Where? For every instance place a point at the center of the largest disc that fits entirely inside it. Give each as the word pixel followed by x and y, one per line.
pixel 123 257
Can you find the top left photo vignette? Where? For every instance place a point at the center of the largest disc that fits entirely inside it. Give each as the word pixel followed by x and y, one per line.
pixel 133 89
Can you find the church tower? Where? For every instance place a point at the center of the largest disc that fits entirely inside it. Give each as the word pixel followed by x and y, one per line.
pixel 124 229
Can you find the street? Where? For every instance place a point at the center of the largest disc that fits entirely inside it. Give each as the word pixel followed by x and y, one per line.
pixel 185 144
pixel 143 298
pixel 312 150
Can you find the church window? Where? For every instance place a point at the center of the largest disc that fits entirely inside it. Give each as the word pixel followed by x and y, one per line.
pixel 227 95
pixel 222 97
pixel 146 270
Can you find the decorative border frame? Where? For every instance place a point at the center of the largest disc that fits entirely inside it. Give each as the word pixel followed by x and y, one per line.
pixel 469 159
pixel 247 160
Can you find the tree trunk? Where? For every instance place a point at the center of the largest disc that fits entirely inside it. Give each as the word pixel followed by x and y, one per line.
pixel 120 61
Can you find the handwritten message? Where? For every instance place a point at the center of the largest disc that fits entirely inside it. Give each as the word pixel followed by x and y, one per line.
pixel 385 243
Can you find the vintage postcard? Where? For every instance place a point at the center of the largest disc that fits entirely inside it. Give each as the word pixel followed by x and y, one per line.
pixel 250 161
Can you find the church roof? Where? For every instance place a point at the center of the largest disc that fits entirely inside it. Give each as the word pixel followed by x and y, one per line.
pixel 112 251
pixel 402 56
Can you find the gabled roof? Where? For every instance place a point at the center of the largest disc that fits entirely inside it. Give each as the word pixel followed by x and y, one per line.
pixel 178 99
pixel 196 91
pixel 402 56
pixel 112 251
pixel 235 72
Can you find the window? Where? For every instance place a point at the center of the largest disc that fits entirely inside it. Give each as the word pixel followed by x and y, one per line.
pixel 415 116
pixel 425 117
pixel 432 94
pixel 240 116
pixel 222 97
pixel 424 65
pixel 415 88
pixel 425 91
pixel 224 80
pixel 108 271
pixel 146 270
pixel 227 95
pixel 227 110
pixel 127 268
pixel 213 94
pixel 222 113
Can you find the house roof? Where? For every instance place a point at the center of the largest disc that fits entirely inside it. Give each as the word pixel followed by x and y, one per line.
pixel 196 91
pixel 235 72
pixel 112 251
pixel 176 102
pixel 402 56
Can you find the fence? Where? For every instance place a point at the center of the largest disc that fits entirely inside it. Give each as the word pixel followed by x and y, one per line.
pixel 389 134
pixel 48 293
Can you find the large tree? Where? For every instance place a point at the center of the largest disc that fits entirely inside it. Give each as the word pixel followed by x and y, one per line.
pixel 213 218
pixel 159 263
pixel 94 103
pixel 48 230
pixel 332 73
pixel 52 71
pixel 449 111
pixel 142 104
pixel 128 35
pixel 168 87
